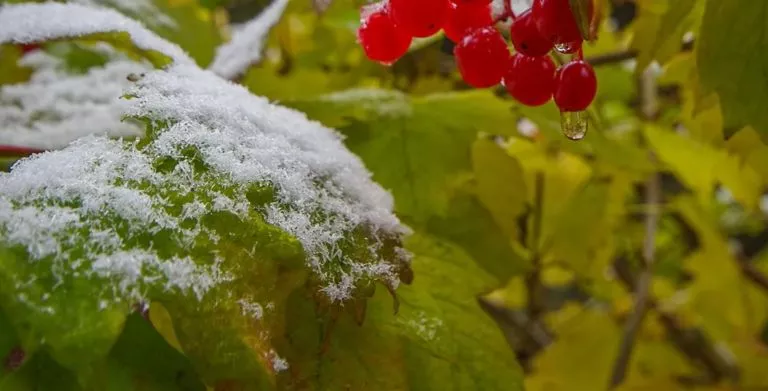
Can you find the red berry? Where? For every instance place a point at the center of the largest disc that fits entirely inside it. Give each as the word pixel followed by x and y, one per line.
pixel 380 38
pixel 555 21
pixel 530 80
pixel 419 18
pixel 462 20
pixel 575 86
pixel 527 38
pixel 482 57
pixel 465 3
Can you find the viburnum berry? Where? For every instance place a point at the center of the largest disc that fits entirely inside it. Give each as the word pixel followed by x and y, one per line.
pixel 530 80
pixel 381 39
pixel 420 18
pixel 527 38
pixel 471 2
pixel 575 86
pixel 482 57
pixel 462 20
pixel 555 21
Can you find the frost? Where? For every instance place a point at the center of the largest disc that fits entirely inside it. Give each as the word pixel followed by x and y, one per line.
pixel 247 43
pixel 28 23
pixel 54 107
pixel 250 309
pixel 424 326
pixel 278 363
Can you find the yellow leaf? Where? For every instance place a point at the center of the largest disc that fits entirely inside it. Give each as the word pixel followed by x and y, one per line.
pixel 161 320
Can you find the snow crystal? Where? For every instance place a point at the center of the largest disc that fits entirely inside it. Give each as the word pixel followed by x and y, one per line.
pixel 278 363
pixel 28 23
pixel 246 46
pixel 424 326
pixel 250 309
pixel 54 107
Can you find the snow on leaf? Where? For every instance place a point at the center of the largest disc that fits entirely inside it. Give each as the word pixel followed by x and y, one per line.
pixel 324 195
pixel 245 49
pixel 28 23
pixel 55 107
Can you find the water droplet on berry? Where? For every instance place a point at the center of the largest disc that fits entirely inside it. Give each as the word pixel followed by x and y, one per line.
pixel 574 124
pixel 567 47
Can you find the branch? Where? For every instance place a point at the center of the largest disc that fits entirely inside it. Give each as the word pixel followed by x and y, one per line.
pixel 649 99
pixel 624 55
pixel 643 286
pixel 15 151
pixel 692 342
pixel 536 305
pixel 245 49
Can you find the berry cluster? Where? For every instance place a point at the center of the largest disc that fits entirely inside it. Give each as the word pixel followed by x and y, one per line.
pixel 481 52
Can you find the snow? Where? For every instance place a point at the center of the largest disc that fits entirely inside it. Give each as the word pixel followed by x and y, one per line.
pixel 96 206
pixel 247 43
pixel 250 140
pixel 28 23
pixel 56 107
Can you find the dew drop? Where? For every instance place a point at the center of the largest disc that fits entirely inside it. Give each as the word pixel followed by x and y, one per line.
pixel 567 47
pixel 574 124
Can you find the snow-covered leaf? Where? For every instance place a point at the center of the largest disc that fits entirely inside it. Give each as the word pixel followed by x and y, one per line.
pixel 247 44
pixel 225 207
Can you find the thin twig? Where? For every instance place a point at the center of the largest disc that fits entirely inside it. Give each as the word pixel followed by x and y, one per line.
pixel 690 341
pixel 649 108
pixel 624 55
pixel 16 151
pixel 536 305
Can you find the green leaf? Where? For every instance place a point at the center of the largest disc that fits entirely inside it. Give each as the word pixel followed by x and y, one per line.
pixel 142 360
pixel 439 340
pixel 501 185
pixel 736 71
pixel 660 27
pixel 701 167
pixel 40 372
pixel 418 147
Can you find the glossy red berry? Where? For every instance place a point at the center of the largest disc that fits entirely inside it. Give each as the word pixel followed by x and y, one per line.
pixel 380 38
pixel 462 20
pixel 526 37
pixel 471 2
pixel 575 86
pixel 482 57
pixel 420 18
pixel 555 21
pixel 530 80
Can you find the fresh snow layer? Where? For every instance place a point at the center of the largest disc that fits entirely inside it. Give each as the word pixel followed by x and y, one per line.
pixel 250 140
pixel 247 43
pixel 56 107
pixel 28 23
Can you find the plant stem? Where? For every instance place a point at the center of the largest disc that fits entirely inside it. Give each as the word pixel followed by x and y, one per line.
pixel 649 109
